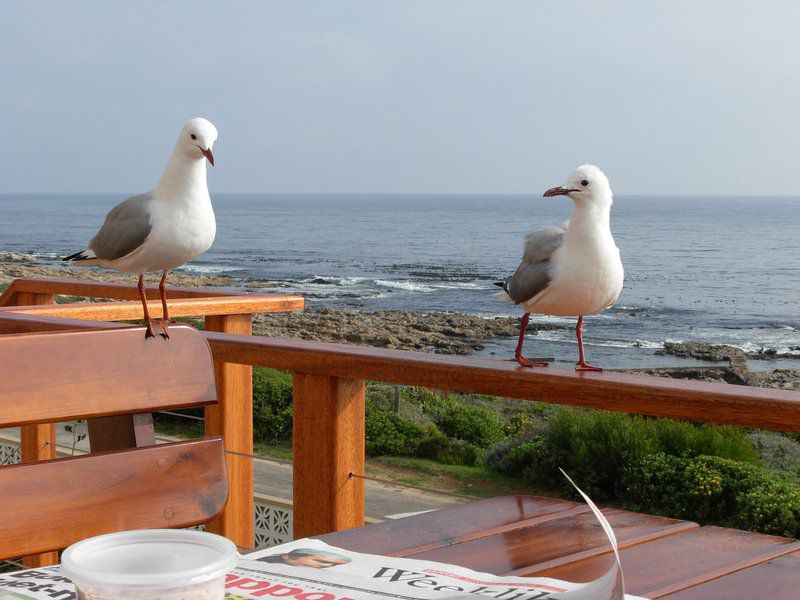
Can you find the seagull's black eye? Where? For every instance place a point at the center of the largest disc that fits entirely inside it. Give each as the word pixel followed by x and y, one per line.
pixel 584 183
pixel 193 136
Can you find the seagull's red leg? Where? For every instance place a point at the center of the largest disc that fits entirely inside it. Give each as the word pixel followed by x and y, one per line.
pixel 149 332
pixel 165 320
pixel 518 353
pixel 581 365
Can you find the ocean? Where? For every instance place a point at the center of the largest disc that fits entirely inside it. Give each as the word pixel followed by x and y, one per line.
pixel 721 270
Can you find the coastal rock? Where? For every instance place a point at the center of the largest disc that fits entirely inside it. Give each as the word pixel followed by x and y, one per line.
pixel 770 353
pixel 700 351
pixel 443 333
pixel 785 379
pixel 17 257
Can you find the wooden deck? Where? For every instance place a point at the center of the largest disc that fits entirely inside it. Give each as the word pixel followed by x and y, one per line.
pixel 531 535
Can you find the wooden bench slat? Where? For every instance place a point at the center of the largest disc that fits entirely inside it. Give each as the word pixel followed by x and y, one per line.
pixel 55 503
pixel 88 374
pixel 699 553
pixel 444 527
pixel 776 579
pixel 498 534
pixel 561 541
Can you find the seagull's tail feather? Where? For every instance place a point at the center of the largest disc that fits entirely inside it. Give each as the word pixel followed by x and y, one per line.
pixel 86 257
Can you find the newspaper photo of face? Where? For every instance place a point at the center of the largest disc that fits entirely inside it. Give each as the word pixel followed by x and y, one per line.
pixel 308 557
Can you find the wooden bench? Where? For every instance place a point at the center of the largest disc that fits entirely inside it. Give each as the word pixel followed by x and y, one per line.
pixel 62 376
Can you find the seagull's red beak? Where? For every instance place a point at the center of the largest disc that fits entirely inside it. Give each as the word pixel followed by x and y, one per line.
pixel 558 191
pixel 208 155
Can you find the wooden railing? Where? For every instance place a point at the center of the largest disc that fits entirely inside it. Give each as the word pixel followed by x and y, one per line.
pixel 329 397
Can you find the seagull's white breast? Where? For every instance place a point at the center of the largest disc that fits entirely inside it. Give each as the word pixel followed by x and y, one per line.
pixel 586 274
pixel 183 229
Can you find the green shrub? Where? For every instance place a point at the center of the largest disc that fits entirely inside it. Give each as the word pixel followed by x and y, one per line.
pixel 597 447
pixel 390 434
pixel 475 425
pixel 516 458
pixel 472 423
pixel 272 405
pixel 439 447
pixel 712 489
pixel 519 424
pixel 779 452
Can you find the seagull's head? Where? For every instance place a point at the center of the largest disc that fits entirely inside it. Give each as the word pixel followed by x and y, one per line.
pixel 197 139
pixel 586 185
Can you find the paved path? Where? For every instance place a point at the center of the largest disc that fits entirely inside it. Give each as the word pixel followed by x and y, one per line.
pixel 274 478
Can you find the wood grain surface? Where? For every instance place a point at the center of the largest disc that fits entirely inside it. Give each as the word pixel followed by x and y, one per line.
pixel 51 504
pixel 83 374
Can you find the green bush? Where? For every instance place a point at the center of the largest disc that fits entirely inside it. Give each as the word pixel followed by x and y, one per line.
pixel 516 457
pixel 272 405
pixel 388 433
pixel 439 447
pixel 712 489
pixel 779 452
pixel 597 447
pixel 477 425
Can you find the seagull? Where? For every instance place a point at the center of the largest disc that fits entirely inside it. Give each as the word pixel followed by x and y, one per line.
pixel 164 228
pixel 573 270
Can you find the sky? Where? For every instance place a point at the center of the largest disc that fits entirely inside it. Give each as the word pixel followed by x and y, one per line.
pixel 500 96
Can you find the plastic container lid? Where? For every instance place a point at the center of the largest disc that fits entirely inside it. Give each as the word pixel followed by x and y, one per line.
pixel 164 558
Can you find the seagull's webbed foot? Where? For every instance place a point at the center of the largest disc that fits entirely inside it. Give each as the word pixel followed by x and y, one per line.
pixel 148 332
pixel 529 363
pixel 583 366
pixel 162 325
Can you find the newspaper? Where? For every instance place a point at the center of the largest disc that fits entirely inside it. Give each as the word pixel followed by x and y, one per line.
pixel 309 569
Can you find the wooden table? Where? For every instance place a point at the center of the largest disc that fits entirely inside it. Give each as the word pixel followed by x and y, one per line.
pixel 534 535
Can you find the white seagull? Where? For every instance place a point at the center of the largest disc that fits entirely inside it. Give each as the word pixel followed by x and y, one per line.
pixel 164 228
pixel 573 270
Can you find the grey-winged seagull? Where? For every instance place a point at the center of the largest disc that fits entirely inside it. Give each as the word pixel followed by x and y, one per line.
pixel 573 270
pixel 164 228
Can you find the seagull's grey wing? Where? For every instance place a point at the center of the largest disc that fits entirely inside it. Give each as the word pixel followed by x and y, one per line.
pixel 533 273
pixel 126 227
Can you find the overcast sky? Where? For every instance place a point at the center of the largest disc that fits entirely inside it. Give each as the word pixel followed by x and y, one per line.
pixel 404 96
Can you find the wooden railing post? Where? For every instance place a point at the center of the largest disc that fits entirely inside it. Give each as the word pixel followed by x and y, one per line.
pixel 328 440
pixel 36 442
pixel 232 418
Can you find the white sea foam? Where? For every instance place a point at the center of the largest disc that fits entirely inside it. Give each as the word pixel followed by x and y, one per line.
pixel 338 281
pixel 568 337
pixel 408 286
pixel 209 269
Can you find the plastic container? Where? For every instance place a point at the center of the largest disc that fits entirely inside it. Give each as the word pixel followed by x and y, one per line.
pixel 157 564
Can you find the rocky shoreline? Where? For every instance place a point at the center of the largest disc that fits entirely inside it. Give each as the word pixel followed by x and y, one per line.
pixel 785 379
pixel 721 352
pixel 444 333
